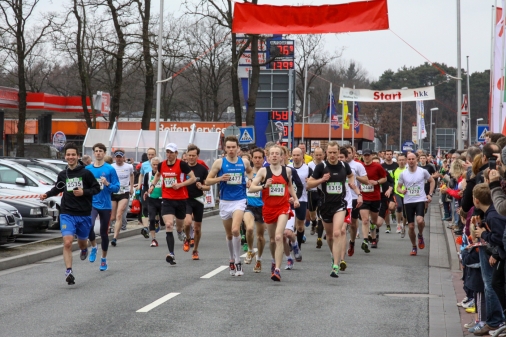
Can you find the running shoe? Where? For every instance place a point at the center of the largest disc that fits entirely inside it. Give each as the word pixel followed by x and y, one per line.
pixel 243 239
pixel 470 324
pixel 403 231
pixel 157 227
pixel 365 246
pixel 273 267
pixel 170 258
pixel 413 251
pixel 195 255
pixel 113 242
pixel 289 264
pixel 372 227
pixel 369 237
pixel 249 257
pixel 468 304
pixel 103 264
pixel 351 249
pixel 181 236
pixel 388 229
pixel 192 242
pixel 493 332
pixel 84 254
pixel 232 268
pixel 374 244
pixel 93 254
pixel 399 230
pixel 154 243
pixel 307 223
pixel 276 275
pixel 466 299
pixel 245 247
pixel 69 277
pixel 304 239
pixel 335 271
pixel 145 232
pixel 421 242
pixel 319 243
pixel 297 253
pixel 476 327
pixel 186 245
pixel 238 269
pixel 342 265
pixel 258 267
pixel 313 230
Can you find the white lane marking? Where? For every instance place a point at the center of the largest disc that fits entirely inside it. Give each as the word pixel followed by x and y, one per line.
pixel 214 272
pixel 158 302
pixel 254 249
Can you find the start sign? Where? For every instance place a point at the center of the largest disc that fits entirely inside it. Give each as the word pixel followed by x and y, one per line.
pixel 387 96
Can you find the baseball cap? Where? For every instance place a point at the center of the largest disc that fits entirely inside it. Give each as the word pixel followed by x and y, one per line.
pixel 366 151
pixel 119 153
pixel 171 147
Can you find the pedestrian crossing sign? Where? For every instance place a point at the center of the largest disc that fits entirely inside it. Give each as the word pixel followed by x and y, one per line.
pixel 247 135
pixel 481 130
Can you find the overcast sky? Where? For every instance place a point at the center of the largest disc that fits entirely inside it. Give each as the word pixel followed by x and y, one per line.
pixel 430 26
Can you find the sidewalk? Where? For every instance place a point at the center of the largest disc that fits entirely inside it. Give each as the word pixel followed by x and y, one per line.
pixel 444 318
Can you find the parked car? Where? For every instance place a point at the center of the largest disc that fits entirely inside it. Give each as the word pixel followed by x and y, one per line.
pixel 27 204
pixel 37 163
pixel 14 211
pixel 8 228
pixel 60 163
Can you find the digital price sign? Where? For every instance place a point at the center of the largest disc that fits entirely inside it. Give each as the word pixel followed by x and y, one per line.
pixel 279 128
pixel 284 53
pixel 282 64
pixel 276 115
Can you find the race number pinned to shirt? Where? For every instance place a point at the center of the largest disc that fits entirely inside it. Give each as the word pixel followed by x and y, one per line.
pixel 277 190
pixel 254 195
pixel 413 191
pixel 235 179
pixel 169 181
pixel 367 188
pixel 334 188
pixel 74 183
pixel 122 190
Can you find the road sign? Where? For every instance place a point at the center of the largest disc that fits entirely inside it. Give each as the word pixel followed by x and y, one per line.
pixel 480 132
pixel 408 146
pixel 247 135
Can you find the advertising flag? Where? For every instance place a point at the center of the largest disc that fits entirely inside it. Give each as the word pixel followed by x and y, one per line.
pixel 422 132
pixel 356 123
pixel 346 115
pixel 332 112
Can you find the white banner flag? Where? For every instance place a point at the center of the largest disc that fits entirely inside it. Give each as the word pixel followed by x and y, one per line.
pixel 496 123
pixel 387 96
pixel 465 110
pixel 420 120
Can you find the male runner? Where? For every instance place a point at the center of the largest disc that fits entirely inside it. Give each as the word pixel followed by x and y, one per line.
pixel 432 171
pixel 153 200
pixel 399 198
pixel 313 197
pixel 78 186
pixel 195 202
pixel 389 203
pixel 304 172
pixel 411 183
pixel 307 158
pixel 372 200
pixel 360 175
pixel 108 180
pixel 331 176
pixel 387 191
pixel 230 171
pixel 253 215
pixel 175 175
pixel 276 186
pixel 120 198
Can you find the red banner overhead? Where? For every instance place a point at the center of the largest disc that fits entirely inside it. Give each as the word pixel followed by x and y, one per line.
pixel 344 18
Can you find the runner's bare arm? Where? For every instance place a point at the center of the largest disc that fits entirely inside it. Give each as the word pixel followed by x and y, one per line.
pixel 432 185
pixel 247 166
pixel 353 186
pixel 255 184
pixel 399 189
pixel 212 176
pixel 189 181
pixel 363 180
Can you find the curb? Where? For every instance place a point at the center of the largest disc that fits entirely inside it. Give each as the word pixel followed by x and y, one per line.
pixel 43 254
pixel 451 247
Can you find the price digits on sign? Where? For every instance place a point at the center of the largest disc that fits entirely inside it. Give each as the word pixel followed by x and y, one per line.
pixel 282 65
pixel 279 115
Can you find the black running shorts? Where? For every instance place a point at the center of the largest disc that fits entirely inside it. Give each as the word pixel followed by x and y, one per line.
pixel 256 211
pixel 174 207
pixel 312 200
pixel 414 209
pixel 327 211
pixel 372 206
pixel 196 208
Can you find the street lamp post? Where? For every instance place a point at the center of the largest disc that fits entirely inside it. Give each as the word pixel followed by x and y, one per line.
pixel 386 141
pixel 430 146
pixel 400 134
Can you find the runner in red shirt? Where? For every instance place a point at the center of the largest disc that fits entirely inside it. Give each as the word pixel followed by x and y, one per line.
pixel 372 199
pixel 173 173
pixel 275 182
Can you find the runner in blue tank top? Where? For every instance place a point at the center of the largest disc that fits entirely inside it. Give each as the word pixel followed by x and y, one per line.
pixel 253 214
pixel 230 171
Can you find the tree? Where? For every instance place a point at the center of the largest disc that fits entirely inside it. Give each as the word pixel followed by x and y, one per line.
pixel 15 17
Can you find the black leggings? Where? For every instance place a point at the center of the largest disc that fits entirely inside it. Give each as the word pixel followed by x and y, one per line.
pixel 154 209
pixel 105 217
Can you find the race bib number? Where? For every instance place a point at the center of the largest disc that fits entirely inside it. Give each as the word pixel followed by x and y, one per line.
pixel 277 190
pixel 158 183
pixel 235 179
pixel 413 191
pixel 334 188
pixel 74 183
pixel 254 195
pixel 367 188
pixel 169 181
pixel 122 190
pixel 100 183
